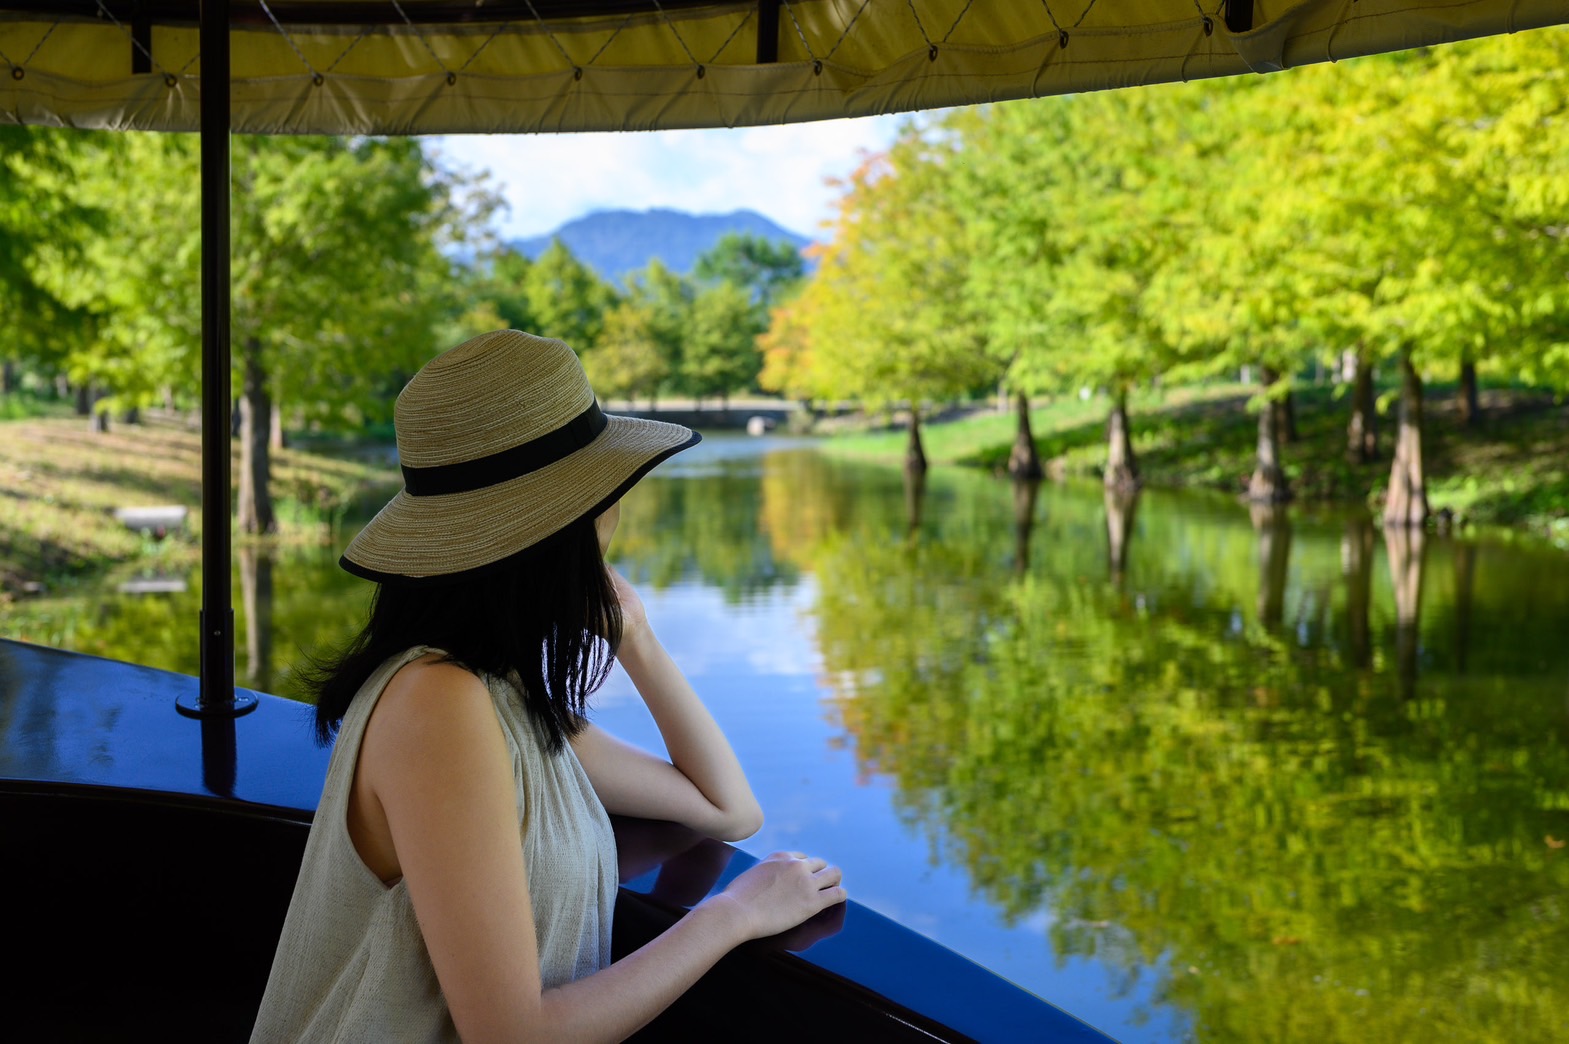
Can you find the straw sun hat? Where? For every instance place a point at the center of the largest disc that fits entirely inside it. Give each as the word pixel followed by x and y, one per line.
pixel 502 444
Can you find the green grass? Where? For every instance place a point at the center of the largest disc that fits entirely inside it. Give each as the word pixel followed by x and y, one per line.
pixel 983 438
pixel 26 404
pixel 1511 469
pixel 59 486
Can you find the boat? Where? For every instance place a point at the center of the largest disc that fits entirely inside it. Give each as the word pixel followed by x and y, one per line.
pixel 150 857
pixel 154 822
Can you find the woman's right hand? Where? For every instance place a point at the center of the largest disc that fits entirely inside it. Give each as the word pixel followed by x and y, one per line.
pixel 783 890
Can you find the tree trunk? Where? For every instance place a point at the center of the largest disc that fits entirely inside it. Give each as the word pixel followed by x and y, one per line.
pixel 1273 526
pixel 1268 484
pixel 84 400
pixel 1025 492
pixel 1286 419
pixel 255 505
pixel 1362 431
pixel 1356 565
pixel 914 452
pixel 1406 503
pixel 275 428
pixel 1122 469
pixel 1121 506
pixel 97 420
pixel 1024 462
pixel 8 380
pixel 1470 410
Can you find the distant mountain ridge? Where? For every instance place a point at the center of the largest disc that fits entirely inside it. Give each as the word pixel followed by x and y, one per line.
pixel 616 242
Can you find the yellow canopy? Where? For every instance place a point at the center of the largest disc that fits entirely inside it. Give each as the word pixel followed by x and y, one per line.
pixel 439 66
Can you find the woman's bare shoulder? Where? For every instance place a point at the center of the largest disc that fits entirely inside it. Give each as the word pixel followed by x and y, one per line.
pixel 431 703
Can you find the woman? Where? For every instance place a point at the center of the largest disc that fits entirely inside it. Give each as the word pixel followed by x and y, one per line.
pixel 459 714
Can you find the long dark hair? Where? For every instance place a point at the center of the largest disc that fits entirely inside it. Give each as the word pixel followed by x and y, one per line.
pixel 549 614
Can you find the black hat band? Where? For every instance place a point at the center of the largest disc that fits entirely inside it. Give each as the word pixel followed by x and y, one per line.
pixel 465 476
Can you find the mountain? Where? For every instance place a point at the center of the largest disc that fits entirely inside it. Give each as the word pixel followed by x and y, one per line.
pixel 615 242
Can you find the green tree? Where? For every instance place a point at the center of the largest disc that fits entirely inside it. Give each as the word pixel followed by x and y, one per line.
pixel 666 299
pixel 886 313
pixel 770 270
pixel 721 354
pixel 337 279
pixel 565 298
pixel 1077 204
pixel 629 358
pixel 44 225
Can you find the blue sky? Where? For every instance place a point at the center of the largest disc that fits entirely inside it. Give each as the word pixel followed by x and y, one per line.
pixel 778 171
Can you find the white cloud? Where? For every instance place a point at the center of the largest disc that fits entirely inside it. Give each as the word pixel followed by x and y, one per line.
pixel 778 171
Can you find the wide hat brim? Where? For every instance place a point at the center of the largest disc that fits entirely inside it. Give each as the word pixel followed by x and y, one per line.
pixel 456 536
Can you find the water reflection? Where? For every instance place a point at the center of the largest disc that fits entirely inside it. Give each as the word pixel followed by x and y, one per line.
pixel 914 497
pixel 1356 565
pixel 1272 523
pixel 1407 551
pixel 256 604
pixel 1260 783
pixel 1122 504
pixel 1026 491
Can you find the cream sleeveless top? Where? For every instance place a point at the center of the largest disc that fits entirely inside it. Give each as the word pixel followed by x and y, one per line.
pixel 351 964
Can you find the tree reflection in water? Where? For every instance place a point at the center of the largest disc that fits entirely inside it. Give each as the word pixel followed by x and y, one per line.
pixel 1297 832
pixel 1308 850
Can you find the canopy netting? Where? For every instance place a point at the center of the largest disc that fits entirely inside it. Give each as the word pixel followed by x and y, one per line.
pixel 439 66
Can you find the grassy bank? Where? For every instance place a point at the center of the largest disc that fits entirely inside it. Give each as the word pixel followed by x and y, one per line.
pixel 60 484
pixel 1511 469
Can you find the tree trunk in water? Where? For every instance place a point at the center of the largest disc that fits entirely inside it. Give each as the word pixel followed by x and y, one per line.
pixel 914 452
pixel 255 503
pixel 1122 469
pixel 1273 526
pixel 8 381
pixel 1121 505
pixel 1268 484
pixel 1406 504
pixel 1356 565
pixel 275 428
pixel 1024 462
pixel 1407 550
pixel 1025 492
pixel 1470 410
pixel 1362 431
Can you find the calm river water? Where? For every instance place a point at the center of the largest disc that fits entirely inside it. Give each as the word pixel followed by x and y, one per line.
pixel 1186 771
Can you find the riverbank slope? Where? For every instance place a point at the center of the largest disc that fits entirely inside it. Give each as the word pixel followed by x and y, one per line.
pixel 1509 469
pixel 61 484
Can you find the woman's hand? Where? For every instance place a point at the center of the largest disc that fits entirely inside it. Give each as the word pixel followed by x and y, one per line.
pixel 634 618
pixel 782 891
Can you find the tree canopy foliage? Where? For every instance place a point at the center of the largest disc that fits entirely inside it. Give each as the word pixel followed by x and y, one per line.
pixel 1408 206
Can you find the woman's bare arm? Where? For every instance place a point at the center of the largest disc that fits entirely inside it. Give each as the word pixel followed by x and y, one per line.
pixel 436 779
pixel 702 785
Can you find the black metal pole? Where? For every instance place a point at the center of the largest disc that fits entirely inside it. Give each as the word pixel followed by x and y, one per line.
pixel 216 696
